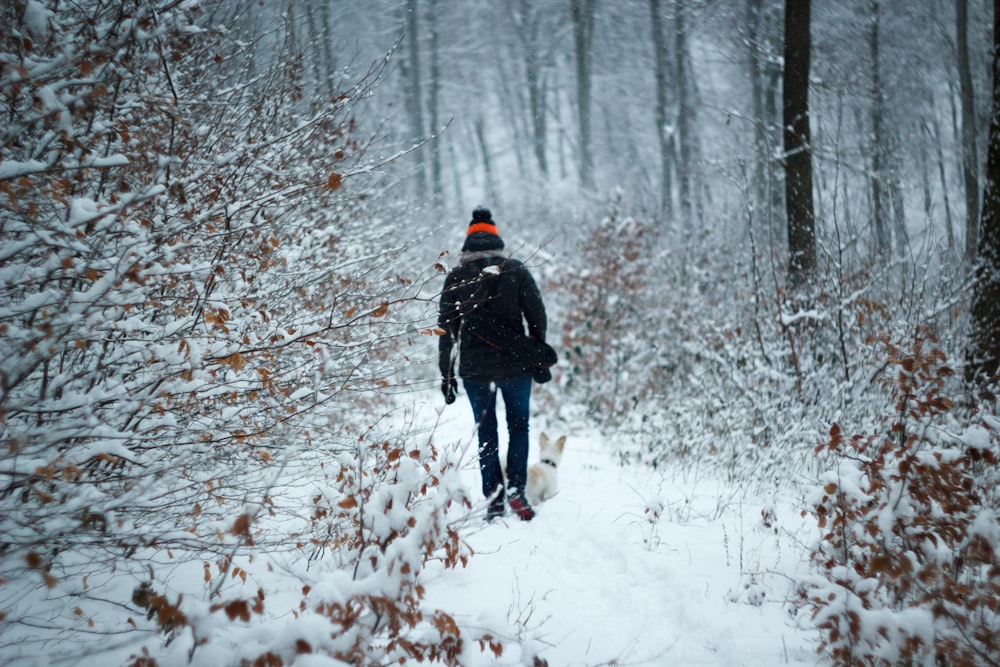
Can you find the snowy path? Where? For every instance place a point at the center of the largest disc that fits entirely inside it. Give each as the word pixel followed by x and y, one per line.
pixel 595 580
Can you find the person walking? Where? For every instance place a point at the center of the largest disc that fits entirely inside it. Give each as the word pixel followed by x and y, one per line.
pixel 486 301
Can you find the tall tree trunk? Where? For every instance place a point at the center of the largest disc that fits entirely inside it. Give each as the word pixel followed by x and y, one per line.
pixel 291 25
pixel 455 173
pixel 798 149
pixel 664 132
pixel 437 182
pixel 984 350
pixel 772 96
pixel 327 40
pixel 878 176
pixel 888 175
pixel 896 196
pixel 925 182
pixel 582 12
pixel 562 140
pixel 933 130
pixel 970 160
pixel 536 106
pixel 312 43
pixel 527 22
pixel 756 73
pixel 510 104
pixel 700 195
pixel 684 110
pixel 489 185
pixel 415 91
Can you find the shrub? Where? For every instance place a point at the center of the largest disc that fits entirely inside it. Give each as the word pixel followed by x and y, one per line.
pixel 604 334
pixel 190 331
pixel 908 566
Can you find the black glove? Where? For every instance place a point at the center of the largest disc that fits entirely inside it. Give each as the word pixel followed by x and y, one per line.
pixel 449 387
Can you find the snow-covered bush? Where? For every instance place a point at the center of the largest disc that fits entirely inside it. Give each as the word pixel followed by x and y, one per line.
pixel 694 349
pixel 604 338
pixel 357 536
pixel 908 566
pixel 193 318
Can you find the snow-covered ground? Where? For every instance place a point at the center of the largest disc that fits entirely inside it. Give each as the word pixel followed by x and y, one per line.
pixel 629 566
pixel 624 566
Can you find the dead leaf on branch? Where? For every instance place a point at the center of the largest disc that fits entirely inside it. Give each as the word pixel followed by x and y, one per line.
pixel 241 528
pixel 238 609
pixel 218 318
pixel 235 360
pixel 333 181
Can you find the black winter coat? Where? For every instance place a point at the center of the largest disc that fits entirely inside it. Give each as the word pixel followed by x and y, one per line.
pixel 485 293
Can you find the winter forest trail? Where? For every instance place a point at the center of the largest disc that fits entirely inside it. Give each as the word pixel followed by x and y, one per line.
pixel 628 566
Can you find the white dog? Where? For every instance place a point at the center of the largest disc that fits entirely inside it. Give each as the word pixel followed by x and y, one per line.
pixel 543 477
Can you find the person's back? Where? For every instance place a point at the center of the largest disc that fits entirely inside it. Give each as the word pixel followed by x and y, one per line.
pixel 483 296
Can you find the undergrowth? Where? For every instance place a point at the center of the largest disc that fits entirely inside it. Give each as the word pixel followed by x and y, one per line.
pixel 907 570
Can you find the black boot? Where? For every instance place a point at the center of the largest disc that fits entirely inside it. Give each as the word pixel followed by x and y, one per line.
pixel 497 508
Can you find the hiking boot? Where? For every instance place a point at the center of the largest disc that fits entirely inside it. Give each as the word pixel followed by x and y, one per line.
pixel 521 507
pixel 496 510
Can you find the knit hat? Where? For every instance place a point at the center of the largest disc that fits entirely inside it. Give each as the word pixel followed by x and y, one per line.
pixel 482 232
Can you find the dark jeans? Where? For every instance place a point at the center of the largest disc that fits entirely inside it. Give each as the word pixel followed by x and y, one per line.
pixel 516 397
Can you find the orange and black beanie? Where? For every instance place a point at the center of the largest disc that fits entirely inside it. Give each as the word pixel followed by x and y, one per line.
pixel 482 233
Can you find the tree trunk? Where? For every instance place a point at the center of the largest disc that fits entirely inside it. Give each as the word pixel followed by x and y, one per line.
pixel 511 102
pixel 925 182
pixel 489 185
pixel 684 111
pixel 536 106
pixel 984 350
pixel 582 12
pixel 934 132
pixel 772 96
pixel 882 234
pixel 798 150
pixel 527 23
pixel 327 39
pixel 761 153
pixel 664 132
pixel 437 181
pixel 313 43
pixel 896 196
pixel 970 160
pixel 415 92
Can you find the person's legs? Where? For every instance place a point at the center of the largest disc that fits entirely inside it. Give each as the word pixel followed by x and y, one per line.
pixel 517 400
pixel 483 397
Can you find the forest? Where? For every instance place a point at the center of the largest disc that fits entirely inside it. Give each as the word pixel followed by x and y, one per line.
pixel 767 232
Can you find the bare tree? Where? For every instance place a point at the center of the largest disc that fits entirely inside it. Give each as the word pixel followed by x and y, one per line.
pixel 582 12
pixel 798 148
pixel 756 67
pixel 685 110
pixel 414 89
pixel 664 132
pixel 433 101
pixel 878 176
pixel 528 26
pixel 984 350
pixel 970 160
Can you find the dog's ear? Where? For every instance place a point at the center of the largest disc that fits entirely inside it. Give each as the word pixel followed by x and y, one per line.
pixel 543 440
pixel 561 442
